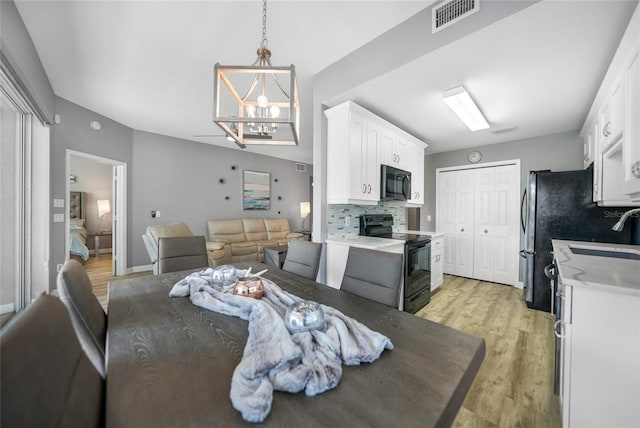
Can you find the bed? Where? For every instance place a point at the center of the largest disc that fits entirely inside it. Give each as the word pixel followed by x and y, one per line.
pixel 77 232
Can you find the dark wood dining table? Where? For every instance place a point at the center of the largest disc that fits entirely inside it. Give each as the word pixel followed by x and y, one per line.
pixel 169 363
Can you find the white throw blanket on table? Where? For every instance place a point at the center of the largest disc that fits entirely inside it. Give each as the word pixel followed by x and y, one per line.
pixel 275 359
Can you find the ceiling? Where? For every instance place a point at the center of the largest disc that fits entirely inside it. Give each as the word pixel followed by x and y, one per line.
pixel 149 64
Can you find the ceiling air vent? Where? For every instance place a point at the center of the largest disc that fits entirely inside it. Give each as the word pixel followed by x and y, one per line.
pixel 450 12
pixel 301 167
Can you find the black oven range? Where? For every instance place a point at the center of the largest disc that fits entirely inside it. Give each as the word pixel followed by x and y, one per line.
pixel 417 257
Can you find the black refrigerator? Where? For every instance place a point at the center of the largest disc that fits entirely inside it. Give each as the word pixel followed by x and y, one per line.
pixel 558 205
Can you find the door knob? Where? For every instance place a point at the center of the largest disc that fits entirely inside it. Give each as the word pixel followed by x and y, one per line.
pixel 486 231
pixel 462 230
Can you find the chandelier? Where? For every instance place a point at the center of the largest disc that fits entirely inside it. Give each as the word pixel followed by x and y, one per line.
pixel 268 111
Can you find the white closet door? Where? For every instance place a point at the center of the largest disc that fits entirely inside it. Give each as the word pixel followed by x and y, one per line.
pixel 464 207
pixel 445 219
pixel 506 224
pixel 484 241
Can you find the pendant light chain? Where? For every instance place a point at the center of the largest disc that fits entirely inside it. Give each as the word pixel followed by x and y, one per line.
pixel 264 42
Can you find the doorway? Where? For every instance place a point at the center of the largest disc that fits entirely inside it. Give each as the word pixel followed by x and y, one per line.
pixel 96 218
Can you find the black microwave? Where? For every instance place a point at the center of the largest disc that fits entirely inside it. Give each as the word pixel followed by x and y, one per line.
pixel 395 184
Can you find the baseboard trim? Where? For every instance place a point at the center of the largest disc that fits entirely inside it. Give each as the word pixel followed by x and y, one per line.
pixel 519 284
pixel 6 308
pixel 137 269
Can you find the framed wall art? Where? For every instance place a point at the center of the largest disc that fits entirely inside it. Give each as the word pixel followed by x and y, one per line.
pixel 256 190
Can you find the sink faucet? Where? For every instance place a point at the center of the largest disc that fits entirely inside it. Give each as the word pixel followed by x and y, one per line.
pixel 620 224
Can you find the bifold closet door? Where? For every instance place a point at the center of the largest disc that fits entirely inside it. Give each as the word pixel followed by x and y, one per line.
pixel 464 252
pixel 495 224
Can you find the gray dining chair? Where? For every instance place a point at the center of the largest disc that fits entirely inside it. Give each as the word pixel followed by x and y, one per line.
pixel 372 274
pixel 47 379
pixel 182 253
pixel 87 316
pixel 303 258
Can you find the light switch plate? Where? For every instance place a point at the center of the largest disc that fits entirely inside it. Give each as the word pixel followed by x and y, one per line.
pixel 58 203
pixel 428 218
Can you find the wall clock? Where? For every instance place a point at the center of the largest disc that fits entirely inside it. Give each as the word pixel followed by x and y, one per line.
pixel 474 157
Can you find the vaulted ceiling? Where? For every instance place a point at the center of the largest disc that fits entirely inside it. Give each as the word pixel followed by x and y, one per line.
pixel 149 64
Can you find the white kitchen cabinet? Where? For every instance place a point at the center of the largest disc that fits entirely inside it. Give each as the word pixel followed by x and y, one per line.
pixel 415 154
pixel 612 128
pixel 358 142
pixel 352 156
pixel 600 355
pixel 437 273
pixel 589 143
pixel 612 115
pixel 631 141
pixel 393 150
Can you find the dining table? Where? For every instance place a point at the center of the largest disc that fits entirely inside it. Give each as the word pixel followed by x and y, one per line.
pixel 170 362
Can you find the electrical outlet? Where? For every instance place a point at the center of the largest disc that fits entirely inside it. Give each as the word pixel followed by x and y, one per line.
pixel 58 267
pixel 158 213
pixel 428 218
pixel 347 220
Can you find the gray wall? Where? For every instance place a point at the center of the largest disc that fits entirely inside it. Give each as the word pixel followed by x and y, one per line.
pixel 19 54
pixel 181 179
pixel 557 152
pixel 112 141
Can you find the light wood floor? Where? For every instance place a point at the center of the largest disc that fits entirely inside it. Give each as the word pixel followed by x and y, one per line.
pixel 514 387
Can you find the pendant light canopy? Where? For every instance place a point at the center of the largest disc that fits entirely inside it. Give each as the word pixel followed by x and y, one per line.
pixel 257 104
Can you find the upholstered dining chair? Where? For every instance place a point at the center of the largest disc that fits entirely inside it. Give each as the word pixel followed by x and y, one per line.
pixel 375 275
pixel 47 379
pixel 303 258
pixel 87 316
pixel 181 253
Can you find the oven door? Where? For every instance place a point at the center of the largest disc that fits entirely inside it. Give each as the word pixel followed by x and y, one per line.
pixel 417 283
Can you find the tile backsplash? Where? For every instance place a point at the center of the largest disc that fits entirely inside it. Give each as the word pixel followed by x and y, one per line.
pixel 337 213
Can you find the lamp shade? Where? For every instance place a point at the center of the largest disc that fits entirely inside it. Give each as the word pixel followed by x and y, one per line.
pixel 305 209
pixel 104 207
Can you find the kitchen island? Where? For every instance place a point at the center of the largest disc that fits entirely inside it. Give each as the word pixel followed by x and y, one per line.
pixel 599 333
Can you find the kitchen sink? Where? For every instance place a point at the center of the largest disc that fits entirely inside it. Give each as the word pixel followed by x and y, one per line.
pixel 613 253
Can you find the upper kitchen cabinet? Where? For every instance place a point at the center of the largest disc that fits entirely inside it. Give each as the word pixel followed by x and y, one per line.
pixel 352 156
pixel 416 156
pixel 611 132
pixel 358 143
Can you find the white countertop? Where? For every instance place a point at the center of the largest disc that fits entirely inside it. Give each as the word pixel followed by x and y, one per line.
pixel 598 272
pixel 370 242
pixel 423 232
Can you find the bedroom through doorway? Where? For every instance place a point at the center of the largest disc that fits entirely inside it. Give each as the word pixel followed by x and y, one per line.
pixel 94 233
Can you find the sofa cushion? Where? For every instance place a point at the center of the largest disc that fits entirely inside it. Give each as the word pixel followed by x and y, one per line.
pixel 254 229
pixel 277 228
pixel 226 230
pixel 243 248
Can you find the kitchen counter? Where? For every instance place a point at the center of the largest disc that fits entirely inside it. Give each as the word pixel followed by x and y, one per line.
pixel 597 272
pixel 422 232
pixel 371 242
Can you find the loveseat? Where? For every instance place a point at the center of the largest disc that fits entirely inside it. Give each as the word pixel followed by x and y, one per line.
pixel 245 239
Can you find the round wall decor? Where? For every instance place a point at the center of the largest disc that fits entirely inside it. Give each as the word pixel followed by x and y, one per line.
pixel 474 157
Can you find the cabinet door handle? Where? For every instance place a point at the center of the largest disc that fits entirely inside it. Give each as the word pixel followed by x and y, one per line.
pixel 606 130
pixel 558 334
pixel 364 188
pixel 398 158
pixel 635 169
pixel 369 188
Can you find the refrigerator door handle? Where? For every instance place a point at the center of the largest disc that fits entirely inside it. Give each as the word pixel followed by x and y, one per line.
pixel 522 213
pixel 525 253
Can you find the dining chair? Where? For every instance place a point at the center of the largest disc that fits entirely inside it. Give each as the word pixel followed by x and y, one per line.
pixel 47 379
pixel 303 258
pixel 87 316
pixel 373 274
pixel 182 253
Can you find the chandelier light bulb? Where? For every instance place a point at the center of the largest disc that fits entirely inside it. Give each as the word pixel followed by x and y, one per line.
pixel 263 101
pixel 275 111
pixel 251 111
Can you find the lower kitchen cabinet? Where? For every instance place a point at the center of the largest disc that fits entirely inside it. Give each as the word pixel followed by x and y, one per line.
pixel 437 271
pixel 600 358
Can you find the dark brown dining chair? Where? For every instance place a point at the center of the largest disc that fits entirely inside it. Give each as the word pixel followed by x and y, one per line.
pixel 303 258
pixel 182 253
pixel 375 275
pixel 87 316
pixel 47 379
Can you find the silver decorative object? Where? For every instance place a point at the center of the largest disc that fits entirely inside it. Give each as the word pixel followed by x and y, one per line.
pixel 304 316
pixel 224 275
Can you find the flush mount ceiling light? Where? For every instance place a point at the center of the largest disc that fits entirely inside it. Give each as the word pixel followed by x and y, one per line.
pixel 463 106
pixel 268 111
